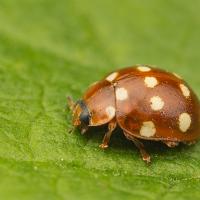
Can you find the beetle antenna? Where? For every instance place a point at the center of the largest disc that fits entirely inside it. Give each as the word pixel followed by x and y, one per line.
pixel 70 103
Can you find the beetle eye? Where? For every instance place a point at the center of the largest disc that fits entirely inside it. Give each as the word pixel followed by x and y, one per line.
pixel 85 117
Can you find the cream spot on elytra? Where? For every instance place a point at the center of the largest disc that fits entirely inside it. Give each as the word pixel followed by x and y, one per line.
pixel 144 69
pixel 110 111
pixel 150 82
pixel 185 90
pixel 112 76
pixel 184 122
pixel 121 94
pixel 148 129
pixel 157 103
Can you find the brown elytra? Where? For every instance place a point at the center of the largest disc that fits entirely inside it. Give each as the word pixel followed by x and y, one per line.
pixel 145 102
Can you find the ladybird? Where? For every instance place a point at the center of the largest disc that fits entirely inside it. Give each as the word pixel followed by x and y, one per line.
pixel 145 102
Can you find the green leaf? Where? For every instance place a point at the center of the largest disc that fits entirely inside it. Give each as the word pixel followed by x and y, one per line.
pixel 50 49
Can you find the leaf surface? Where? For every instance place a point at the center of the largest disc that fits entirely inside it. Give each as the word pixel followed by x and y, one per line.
pixel 52 49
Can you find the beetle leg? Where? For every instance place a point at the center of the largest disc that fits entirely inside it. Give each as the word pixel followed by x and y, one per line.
pixel 111 127
pixel 190 142
pixel 171 144
pixel 84 129
pixel 145 156
pixel 70 103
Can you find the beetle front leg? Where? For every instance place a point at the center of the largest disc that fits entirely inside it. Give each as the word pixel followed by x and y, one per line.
pixel 111 127
pixel 84 129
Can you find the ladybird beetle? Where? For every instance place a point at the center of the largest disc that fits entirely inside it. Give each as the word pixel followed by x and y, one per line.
pixel 145 102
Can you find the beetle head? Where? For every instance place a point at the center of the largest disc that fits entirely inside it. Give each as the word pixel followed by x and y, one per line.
pixel 81 115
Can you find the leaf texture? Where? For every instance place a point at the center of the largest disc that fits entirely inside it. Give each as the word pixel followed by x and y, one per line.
pixel 50 49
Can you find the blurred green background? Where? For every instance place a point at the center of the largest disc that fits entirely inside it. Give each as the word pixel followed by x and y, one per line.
pixel 49 49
